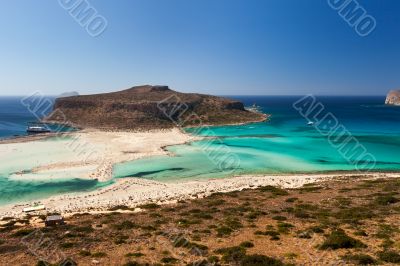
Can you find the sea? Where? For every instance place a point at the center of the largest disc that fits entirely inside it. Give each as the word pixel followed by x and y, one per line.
pixel 302 135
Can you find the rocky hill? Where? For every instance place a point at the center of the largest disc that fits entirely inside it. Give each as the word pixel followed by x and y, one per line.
pixel 149 107
pixel 393 97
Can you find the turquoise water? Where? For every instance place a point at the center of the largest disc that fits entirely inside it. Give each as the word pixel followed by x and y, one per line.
pixel 19 191
pixel 283 144
pixel 14 117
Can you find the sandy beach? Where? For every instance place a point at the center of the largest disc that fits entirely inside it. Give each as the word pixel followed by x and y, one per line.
pixel 87 154
pixel 132 192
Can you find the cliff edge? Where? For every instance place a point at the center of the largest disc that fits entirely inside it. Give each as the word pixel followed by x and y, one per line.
pixel 393 97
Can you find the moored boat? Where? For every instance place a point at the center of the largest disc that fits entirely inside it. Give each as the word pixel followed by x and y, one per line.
pixel 37 128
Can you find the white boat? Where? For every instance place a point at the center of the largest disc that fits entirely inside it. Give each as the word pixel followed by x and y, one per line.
pixel 36 128
pixel 254 108
pixel 310 123
pixel 34 208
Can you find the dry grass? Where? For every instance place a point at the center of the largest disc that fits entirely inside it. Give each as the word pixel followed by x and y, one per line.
pixel 356 222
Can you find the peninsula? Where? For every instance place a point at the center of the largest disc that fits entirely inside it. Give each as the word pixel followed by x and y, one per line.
pixel 149 107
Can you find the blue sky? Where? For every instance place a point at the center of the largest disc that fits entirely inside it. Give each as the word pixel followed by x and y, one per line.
pixel 224 47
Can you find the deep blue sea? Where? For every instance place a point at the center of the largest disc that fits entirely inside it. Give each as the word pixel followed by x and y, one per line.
pixel 286 143
pixel 16 113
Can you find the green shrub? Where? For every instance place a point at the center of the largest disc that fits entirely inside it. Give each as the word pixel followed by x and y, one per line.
pixel 149 228
pixel 224 231
pixel 389 256
pixel 279 218
pixel 387 243
pixel 119 241
pixel 360 233
pixel 386 230
pixel 309 188
pixel 85 253
pixel 237 256
pixel 273 234
pixel 214 203
pixel 99 255
pixel 232 254
pixel 267 233
pixel 180 241
pixel 9 224
pixel 255 214
pixel 188 222
pixel 300 213
pixel 259 260
pixel 246 244
pixel 233 223
pixel 10 248
pixel 132 263
pixel 67 245
pixel 149 206
pixel 213 260
pixel 23 232
pixel 386 200
pixel 203 215
pixel 196 237
pixel 316 229
pixel 136 255
pixel 338 239
pixel 284 227
pixel 291 199
pixel 360 259
pixel 274 190
pixel 119 207
pixel 125 225
pixel 169 260
pixel 274 238
pixel 304 234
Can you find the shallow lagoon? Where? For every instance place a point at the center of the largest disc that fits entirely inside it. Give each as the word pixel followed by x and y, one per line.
pixel 284 144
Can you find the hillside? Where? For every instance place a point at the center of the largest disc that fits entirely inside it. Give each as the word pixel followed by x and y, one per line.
pixel 340 222
pixel 393 97
pixel 149 107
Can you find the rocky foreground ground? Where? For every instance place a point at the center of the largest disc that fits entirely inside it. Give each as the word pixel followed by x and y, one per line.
pixel 347 221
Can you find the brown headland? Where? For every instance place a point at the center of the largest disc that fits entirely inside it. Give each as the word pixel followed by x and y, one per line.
pixel 149 107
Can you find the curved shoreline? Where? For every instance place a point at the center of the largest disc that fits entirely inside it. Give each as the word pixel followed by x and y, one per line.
pixel 133 192
pixel 136 191
pixel 265 118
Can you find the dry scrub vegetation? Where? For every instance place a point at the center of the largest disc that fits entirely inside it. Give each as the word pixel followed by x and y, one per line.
pixel 353 222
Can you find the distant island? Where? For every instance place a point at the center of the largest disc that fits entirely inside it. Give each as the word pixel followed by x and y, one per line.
pixel 68 94
pixel 149 107
pixel 393 97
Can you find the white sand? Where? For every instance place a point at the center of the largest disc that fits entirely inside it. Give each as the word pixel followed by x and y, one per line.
pixel 88 154
pixel 132 191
